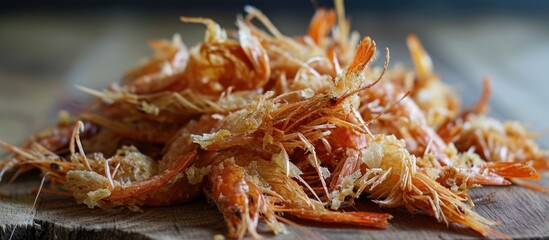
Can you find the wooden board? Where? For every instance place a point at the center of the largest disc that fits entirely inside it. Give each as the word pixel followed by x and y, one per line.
pixel 35 68
pixel 522 213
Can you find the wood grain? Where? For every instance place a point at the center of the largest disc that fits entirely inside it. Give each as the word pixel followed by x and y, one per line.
pixel 522 214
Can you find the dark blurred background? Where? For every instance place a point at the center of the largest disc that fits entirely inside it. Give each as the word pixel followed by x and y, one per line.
pixel 48 47
pixel 468 6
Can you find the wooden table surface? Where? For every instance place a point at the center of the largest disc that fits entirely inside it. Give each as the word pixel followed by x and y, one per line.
pixel 43 55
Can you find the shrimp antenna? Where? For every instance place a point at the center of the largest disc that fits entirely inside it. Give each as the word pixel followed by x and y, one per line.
pixel 254 12
pixel 482 104
pixel 75 139
pixel 34 204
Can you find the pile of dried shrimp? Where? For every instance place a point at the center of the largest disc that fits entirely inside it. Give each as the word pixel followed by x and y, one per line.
pixel 268 126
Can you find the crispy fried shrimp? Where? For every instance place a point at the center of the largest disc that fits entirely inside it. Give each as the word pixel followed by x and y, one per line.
pixel 382 104
pixel 451 127
pixel 500 142
pixel 392 178
pixel 56 139
pixel 155 190
pixel 508 142
pixel 220 63
pixel 239 199
pixel 129 178
pixel 269 126
pixel 459 179
pixel 292 60
pixel 169 107
pixel 433 96
pixel 297 203
pixel 160 71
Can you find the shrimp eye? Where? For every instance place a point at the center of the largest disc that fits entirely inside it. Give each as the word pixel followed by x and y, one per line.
pixel 238 213
pixel 333 100
pixel 55 166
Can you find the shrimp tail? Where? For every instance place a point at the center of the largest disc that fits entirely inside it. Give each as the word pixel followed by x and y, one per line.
pixel 513 170
pixel 321 24
pixel 422 61
pixel 364 55
pixel 490 173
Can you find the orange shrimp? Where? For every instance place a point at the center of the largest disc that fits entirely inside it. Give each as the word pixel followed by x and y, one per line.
pixel 297 203
pixel 296 61
pixel 268 125
pixel 239 199
pixel 34 156
pixel 162 189
pixel 168 107
pixel 220 63
pixel 42 149
pixel 449 129
pixel 238 128
pixel 485 174
pixel 91 180
pixel 160 71
pixel 102 190
pixel 383 105
pixel 463 179
pixel 169 187
pixel 393 179
pixel 492 140
pixel 182 142
pixel 500 142
pixel 387 172
pixel 56 139
pixel 438 101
